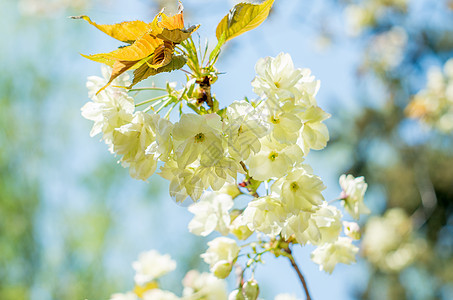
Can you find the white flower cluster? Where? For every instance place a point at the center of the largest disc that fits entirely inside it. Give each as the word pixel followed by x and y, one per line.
pixel 294 206
pixel 365 13
pixel 434 104
pixel 151 266
pixel 267 140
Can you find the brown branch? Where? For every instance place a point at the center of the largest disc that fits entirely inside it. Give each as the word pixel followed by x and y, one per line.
pixel 244 167
pixel 205 88
pixel 247 181
pixel 299 273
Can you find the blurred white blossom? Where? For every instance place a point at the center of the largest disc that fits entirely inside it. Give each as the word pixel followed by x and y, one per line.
pixel 363 14
pixel 152 265
pixel 203 286
pixel 388 241
pixel 157 294
pixel 386 49
pixel 286 297
pixel 329 255
pixel 434 104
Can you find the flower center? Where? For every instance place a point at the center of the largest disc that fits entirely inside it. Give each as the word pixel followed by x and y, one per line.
pixel 199 138
pixel 277 84
pixel 273 155
pixel 294 186
pixel 275 120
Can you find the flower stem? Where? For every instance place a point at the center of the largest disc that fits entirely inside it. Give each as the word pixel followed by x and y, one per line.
pixel 167 115
pixel 147 89
pixel 162 106
pixel 335 200
pixel 299 273
pixel 151 100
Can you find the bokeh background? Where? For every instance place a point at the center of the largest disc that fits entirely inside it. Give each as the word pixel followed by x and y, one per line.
pixel 72 220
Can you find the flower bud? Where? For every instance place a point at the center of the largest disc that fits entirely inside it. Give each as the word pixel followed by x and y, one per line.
pixel 239 228
pixel 251 290
pixel 222 269
pixel 220 255
pixel 236 295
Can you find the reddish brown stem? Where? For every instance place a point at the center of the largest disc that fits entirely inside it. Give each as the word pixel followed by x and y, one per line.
pixel 299 273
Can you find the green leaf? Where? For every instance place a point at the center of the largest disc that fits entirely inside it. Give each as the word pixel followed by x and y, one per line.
pixel 242 18
pixel 216 51
pixel 144 71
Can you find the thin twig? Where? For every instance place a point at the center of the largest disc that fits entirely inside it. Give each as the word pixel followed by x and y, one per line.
pixel 147 89
pixel 299 273
pixel 151 100
pixel 243 166
pixel 162 106
pixel 335 200
pixel 167 115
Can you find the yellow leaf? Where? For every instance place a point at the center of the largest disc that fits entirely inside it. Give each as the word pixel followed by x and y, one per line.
pixel 126 32
pixel 118 68
pixel 173 22
pixel 140 49
pixel 101 58
pixel 242 18
pixel 171 29
pixel 162 55
pixel 152 47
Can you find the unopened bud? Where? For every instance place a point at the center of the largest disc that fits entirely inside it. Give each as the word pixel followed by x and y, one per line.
pixel 222 269
pixel 238 227
pixel 251 290
pixel 236 295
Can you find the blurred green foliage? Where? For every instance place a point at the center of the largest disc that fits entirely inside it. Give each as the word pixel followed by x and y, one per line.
pixel 409 165
pixel 34 263
pixel 19 202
